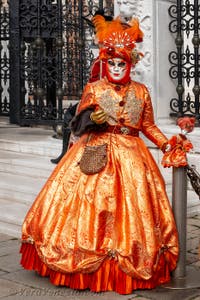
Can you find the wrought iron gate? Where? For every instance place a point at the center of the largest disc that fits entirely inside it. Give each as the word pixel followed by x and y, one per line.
pixel 4 59
pixel 50 56
pixel 185 66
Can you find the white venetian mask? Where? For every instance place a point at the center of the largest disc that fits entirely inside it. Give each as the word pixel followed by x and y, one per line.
pixel 117 68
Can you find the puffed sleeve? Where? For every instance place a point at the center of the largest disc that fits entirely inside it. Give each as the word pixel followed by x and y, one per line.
pixel 88 98
pixel 149 128
pixel 81 123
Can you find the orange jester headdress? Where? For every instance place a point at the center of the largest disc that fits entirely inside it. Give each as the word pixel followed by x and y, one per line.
pixel 117 39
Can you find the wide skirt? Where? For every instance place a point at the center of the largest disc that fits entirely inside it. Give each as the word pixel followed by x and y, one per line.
pixel 113 230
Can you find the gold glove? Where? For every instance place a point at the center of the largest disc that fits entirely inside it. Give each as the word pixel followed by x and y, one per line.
pixel 99 116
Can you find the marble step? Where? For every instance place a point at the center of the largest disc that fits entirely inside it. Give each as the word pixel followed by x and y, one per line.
pixel 17 193
pixel 20 188
pixel 13 212
pixel 37 141
pixel 10 229
pixel 25 164
pixel 12 215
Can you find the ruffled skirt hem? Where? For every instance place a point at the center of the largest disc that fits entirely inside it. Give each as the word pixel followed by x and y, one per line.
pixel 109 277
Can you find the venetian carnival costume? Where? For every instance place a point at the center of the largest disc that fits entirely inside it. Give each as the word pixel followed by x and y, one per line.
pixel 113 230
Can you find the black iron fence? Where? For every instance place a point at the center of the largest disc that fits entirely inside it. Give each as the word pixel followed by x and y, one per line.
pixel 4 59
pixel 185 68
pixel 50 56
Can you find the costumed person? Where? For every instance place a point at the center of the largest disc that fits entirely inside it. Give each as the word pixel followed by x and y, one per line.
pixel 103 220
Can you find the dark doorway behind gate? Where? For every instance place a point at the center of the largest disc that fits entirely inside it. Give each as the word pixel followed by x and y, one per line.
pixel 49 57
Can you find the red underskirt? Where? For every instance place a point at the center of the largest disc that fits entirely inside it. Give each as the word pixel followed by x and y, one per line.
pixel 107 278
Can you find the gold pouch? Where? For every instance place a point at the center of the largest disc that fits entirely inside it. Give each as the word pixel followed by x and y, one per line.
pixel 94 159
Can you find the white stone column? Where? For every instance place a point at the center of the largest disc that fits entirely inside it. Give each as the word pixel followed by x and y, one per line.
pixel 142 10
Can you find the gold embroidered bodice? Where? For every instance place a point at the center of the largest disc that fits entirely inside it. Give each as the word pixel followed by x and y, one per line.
pixel 129 104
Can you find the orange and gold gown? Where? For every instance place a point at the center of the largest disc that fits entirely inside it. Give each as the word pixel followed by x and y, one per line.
pixel 110 231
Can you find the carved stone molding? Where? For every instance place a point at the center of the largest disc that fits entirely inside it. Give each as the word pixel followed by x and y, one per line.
pixel 143 11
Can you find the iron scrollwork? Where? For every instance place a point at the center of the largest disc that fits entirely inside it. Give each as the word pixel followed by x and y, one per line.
pixel 30 21
pixel 185 60
pixel 58 56
pixel 51 55
pixel 185 67
pixel 4 59
pixel 194 177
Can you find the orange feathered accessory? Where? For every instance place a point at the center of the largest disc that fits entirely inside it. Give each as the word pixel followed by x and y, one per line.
pixel 180 145
pixel 177 157
pixel 134 31
pixel 186 123
pixel 104 28
pixel 115 39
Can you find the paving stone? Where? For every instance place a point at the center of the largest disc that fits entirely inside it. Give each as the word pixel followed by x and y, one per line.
pixel 137 297
pixel 29 278
pixel 191 228
pixel 3 273
pixel 197 217
pixel 10 246
pixel 27 293
pixel 196 264
pixel 193 234
pixel 104 296
pixel 191 257
pixel 32 297
pixel 193 243
pixel 10 263
pixel 194 221
pixel 168 294
pixel 194 252
pixel 5 237
pixel 8 288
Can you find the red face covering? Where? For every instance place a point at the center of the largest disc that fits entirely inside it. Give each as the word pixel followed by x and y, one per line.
pixel 118 70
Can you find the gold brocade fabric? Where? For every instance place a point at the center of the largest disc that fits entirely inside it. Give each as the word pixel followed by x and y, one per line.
pixel 77 221
pixel 137 111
